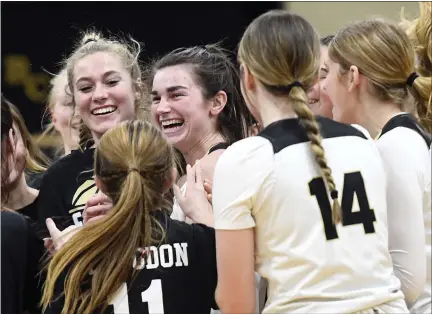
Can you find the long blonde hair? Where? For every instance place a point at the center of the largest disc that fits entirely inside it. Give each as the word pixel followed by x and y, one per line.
pixel 280 48
pixel 383 53
pixel 133 162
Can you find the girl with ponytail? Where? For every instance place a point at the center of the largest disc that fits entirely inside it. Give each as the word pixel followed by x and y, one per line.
pixel 136 259
pixel 283 201
pixel 372 76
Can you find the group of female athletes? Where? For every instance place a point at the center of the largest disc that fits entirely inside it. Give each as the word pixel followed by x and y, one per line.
pixel 298 181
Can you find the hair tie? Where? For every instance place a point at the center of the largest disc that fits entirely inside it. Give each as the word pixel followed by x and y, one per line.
pixel 412 78
pixel 334 194
pixel 293 84
pixel 133 169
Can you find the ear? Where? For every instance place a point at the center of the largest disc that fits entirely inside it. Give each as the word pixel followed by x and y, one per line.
pixel 218 103
pixel 247 77
pixel 353 78
pixel 170 181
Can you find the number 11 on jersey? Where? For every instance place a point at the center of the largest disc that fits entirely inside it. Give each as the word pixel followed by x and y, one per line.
pixel 152 296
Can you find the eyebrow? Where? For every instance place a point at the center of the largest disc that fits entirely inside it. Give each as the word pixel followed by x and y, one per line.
pixel 170 89
pixel 104 76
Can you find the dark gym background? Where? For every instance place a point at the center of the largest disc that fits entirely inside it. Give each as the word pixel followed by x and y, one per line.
pixel 37 36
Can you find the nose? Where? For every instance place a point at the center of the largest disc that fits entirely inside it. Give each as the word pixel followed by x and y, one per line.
pixel 100 93
pixel 163 107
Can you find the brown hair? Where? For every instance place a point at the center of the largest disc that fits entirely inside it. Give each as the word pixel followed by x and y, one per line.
pixel 93 42
pixel 36 161
pixel 134 162
pixel 280 48
pixel 383 53
pixel 6 148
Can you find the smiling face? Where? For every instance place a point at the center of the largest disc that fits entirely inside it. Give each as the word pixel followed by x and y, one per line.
pixel 103 92
pixel 319 101
pixel 336 87
pixel 179 108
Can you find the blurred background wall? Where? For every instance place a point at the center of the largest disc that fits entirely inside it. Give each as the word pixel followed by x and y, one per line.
pixel 328 17
pixel 37 35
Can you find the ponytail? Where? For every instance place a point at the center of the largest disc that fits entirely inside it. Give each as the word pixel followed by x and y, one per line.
pixel 421 90
pixel 133 162
pixel 299 100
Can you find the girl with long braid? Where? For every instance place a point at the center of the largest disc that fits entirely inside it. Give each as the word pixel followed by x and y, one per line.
pixel 283 201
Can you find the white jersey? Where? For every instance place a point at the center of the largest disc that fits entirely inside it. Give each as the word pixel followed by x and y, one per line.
pixel 272 182
pixel 404 147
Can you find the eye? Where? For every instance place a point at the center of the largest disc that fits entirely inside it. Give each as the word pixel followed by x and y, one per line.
pixel 85 89
pixel 177 95
pixel 155 99
pixel 112 82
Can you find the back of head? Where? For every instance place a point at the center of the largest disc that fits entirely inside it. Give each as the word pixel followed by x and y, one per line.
pixel 214 72
pixel 282 51
pixel 383 53
pixel 280 48
pixel 133 165
pixel 93 42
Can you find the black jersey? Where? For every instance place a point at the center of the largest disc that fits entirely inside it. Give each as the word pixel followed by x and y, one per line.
pixel 66 187
pixel 178 276
pixel 21 253
pixel 30 211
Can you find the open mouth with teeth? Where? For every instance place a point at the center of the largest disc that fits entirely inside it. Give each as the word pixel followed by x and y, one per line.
pixel 313 101
pixel 171 125
pixel 103 111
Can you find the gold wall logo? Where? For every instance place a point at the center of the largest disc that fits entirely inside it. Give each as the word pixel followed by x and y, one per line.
pixel 18 72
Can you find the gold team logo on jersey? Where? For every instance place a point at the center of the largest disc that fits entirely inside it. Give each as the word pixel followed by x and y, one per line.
pixel 84 192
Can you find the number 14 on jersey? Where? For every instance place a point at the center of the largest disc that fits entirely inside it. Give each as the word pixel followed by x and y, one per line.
pixel 353 185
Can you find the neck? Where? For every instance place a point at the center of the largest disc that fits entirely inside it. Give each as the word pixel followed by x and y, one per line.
pixel 274 110
pixel 200 148
pixel 67 149
pixel 377 114
pixel 22 195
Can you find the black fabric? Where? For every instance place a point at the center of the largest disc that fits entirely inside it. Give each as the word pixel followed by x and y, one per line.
pixel 217 147
pixel 65 188
pixel 406 120
pixel 185 287
pixel 30 211
pixel 21 253
pixel 284 133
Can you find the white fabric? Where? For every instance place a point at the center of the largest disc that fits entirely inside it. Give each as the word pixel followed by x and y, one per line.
pixel 407 163
pixel 255 187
